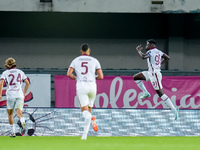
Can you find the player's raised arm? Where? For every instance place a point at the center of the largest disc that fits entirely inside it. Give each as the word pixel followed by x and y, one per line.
pixel 142 55
pixel 100 75
pixel 70 73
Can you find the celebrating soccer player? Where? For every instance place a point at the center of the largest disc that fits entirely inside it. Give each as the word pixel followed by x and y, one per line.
pixel 154 58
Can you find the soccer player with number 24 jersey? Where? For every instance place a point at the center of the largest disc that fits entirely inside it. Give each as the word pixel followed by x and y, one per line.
pixel 15 94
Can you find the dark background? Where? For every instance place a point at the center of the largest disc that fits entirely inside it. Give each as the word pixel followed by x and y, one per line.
pixel 98 25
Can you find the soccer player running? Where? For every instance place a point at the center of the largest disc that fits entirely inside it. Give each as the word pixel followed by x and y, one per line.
pixel 154 58
pixel 86 68
pixel 14 94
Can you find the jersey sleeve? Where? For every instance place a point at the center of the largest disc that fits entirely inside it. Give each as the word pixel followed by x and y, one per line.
pixel 3 76
pixel 23 75
pixel 98 66
pixel 72 64
pixel 161 53
pixel 148 53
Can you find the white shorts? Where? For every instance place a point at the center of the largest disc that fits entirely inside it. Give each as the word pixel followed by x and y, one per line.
pixel 86 92
pixel 17 103
pixel 155 79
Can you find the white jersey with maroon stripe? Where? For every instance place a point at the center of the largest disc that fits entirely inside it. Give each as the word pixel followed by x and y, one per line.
pixel 14 78
pixel 154 61
pixel 85 67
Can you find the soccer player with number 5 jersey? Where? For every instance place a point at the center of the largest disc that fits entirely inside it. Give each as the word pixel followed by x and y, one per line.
pixel 154 58
pixel 87 70
pixel 15 94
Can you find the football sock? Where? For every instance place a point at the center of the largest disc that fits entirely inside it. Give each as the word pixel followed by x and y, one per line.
pixel 140 84
pixel 87 115
pixel 12 127
pixel 22 120
pixel 166 99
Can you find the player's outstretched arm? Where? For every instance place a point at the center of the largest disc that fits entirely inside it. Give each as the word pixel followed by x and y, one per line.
pixel 165 58
pixel 70 73
pixel 99 74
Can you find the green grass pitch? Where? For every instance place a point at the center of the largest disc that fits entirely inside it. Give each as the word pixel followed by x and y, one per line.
pixel 99 143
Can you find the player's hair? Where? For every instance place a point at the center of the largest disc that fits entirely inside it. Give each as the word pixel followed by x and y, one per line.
pixel 10 63
pixel 85 47
pixel 152 41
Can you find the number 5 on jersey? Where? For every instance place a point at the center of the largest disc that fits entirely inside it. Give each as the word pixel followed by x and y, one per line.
pixel 84 64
